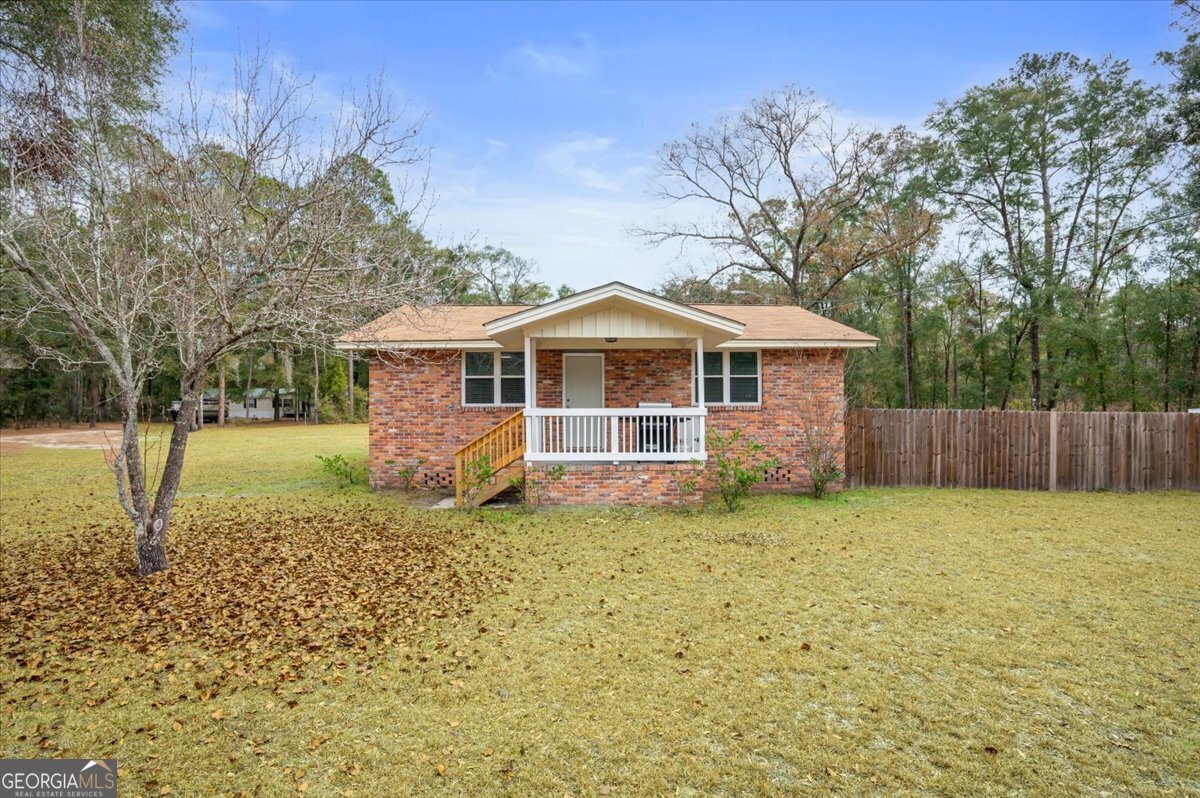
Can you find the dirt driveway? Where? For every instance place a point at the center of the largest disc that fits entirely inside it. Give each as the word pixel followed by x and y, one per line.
pixel 100 437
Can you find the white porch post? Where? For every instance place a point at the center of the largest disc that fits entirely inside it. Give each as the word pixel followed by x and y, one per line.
pixel 531 372
pixel 531 442
pixel 699 372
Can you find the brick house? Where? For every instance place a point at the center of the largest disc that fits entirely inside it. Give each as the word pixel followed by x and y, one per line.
pixel 615 385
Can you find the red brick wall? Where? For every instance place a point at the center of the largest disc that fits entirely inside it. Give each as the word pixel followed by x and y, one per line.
pixel 549 378
pixel 416 414
pixel 801 388
pixel 647 375
pixel 630 376
pixel 416 410
pixel 608 484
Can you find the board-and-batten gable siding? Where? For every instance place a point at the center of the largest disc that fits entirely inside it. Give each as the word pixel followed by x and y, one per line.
pixel 613 322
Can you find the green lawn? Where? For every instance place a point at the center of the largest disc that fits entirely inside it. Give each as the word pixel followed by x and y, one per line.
pixel 311 640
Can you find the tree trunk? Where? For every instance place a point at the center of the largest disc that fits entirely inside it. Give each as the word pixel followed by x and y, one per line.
pixel 316 413
pixel 1048 259
pixel 1168 328
pixel 1052 361
pixel 946 347
pixel 350 383
pixel 954 372
pixel 1014 354
pixel 1194 382
pixel 906 333
pixel 93 399
pixel 249 384
pixel 221 397
pixel 1035 364
pixel 152 543
pixel 149 548
pixel 152 553
pixel 1132 368
pixel 76 404
pixel 276 406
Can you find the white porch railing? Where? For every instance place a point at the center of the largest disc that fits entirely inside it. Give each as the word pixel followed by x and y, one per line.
pixel 666 434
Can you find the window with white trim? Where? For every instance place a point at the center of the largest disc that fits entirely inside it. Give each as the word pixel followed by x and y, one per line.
pixel 731 378
pixel 493 378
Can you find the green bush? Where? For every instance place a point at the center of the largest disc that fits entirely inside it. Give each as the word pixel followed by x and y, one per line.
pixel 477 474
pixel 342 470
pixel 738 465
pixel 823 476
pixel 408 473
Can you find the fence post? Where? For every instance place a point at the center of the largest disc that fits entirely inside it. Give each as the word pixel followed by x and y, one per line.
pixel 1053 450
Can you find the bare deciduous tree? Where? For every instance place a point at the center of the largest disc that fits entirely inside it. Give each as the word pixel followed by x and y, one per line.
pixel 495 275
pixel 245 217
pixel 792 192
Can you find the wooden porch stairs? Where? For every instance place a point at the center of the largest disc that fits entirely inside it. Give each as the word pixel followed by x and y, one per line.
pixel 489 464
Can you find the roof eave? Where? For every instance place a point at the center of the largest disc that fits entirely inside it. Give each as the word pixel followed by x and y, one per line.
pixel 608 291
pixel 392 346
pixel 799 343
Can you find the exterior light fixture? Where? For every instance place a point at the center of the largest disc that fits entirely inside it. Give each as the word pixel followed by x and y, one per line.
pixel 610 340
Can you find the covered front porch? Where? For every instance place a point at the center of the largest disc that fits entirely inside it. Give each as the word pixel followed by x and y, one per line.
pixel 609 376
pixel 602 379
pixel 617 406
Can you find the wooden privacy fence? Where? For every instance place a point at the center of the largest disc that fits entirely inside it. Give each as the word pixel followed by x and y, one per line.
pixel 1023 450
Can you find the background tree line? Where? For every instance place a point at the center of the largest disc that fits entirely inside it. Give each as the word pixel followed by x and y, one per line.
pixel 82 120
pixel 36 389
pixel 1037 246
pixel 148 247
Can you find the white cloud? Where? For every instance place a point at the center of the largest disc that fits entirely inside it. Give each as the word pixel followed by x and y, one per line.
pixel 567 159
pixel 495 147
pixel 557 60
pixel 596 162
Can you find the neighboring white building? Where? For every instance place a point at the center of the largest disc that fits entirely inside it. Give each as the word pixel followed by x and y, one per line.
pixel 259 405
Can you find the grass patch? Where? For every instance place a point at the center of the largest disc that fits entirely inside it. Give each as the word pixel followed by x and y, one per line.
pixel 882 642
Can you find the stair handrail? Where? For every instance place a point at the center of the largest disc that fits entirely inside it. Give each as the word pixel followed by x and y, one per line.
pixel 503 443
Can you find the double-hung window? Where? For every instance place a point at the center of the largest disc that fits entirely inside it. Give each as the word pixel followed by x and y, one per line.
pixel 731 378
pixel 493 378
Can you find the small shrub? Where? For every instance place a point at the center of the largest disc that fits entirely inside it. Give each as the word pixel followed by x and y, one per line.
pixel 342 470
pixel 823 476
pixel 408 473
pixel 477 474
pixel 738 465
pixel 532 486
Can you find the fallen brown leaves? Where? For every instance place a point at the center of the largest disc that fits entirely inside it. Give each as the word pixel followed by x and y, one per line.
pixel 256 595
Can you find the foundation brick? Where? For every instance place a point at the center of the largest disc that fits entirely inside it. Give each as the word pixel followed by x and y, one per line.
pixel 600 484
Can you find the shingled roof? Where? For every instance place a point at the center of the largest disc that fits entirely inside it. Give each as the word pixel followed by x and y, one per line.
pixel 782 326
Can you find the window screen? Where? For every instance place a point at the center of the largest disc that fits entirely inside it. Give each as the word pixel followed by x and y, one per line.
pixel 491 378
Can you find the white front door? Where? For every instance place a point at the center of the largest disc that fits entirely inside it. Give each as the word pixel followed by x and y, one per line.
pixel 583 387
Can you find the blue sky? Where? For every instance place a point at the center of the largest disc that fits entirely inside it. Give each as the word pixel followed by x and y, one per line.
pixel 544 119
